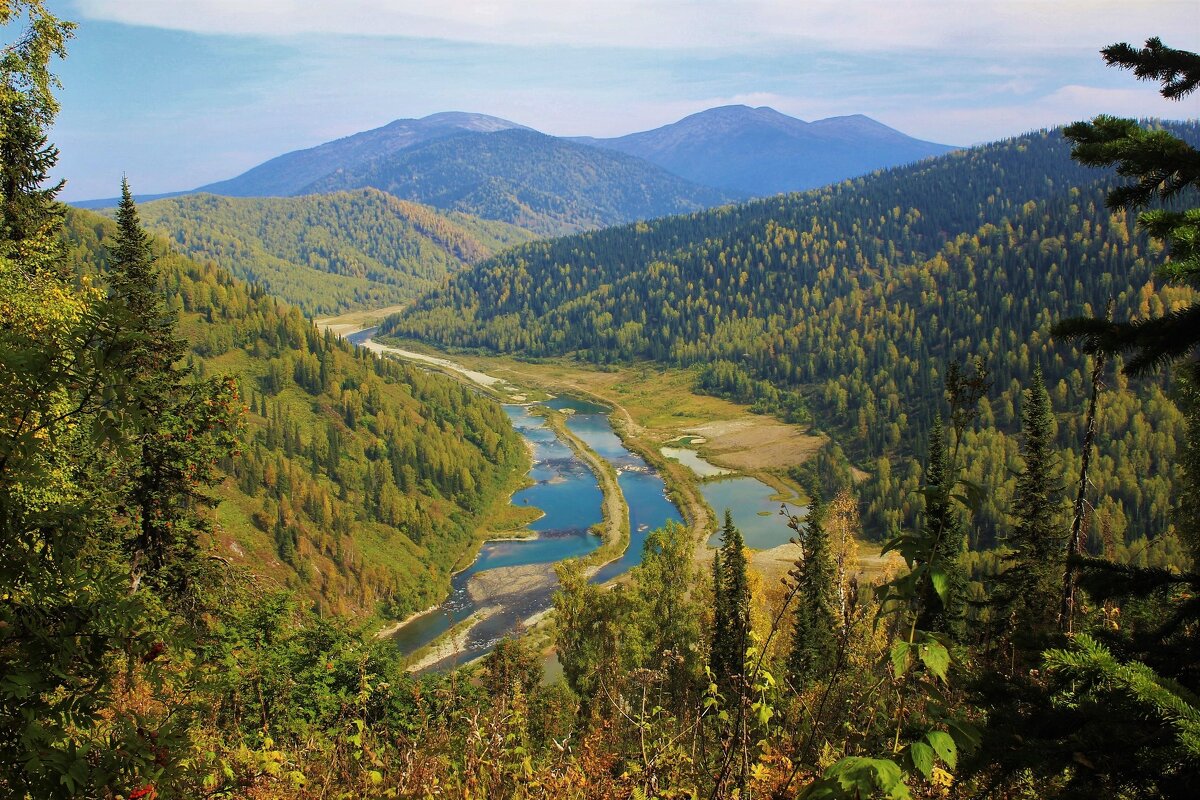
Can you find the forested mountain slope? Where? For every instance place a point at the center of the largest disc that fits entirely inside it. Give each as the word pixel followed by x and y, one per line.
pixel 759 151
pixel 542 183
pixel 857 295
pixel 360 482
pixel 329 253
pixel 287 174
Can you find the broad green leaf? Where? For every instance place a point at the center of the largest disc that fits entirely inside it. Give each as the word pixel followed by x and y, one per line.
pixel 900 658
pixel 941 583
pixel 966 736
pixel 855 776
pixel 922 758
pixel 935 657
pixel 943 744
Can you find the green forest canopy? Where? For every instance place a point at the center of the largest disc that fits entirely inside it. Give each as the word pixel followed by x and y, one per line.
pixel 857 296
pixel 334 252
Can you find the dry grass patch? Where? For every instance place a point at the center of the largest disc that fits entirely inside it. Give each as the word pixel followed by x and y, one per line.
pixel 756 443
pixel 773 564
pixel 354 321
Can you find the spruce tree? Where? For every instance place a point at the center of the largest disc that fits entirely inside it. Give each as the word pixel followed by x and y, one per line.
pixel 731 630
pixel 814 637
pixel 30 216
pixel 180 425
pixel 942 591
pixel 720 628
pixel 68 623
pixel 1126 704
pixel 1026 592
pixel 1163 167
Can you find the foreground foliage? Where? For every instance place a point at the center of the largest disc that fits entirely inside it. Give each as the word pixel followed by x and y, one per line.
pixel 138 662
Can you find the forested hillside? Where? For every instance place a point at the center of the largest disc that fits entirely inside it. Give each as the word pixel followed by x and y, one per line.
pixel 289 173
pixel 857 296
pixel 759 151
pixel 358 481
pixel 329 253
pixel 147 519
pixel 538 182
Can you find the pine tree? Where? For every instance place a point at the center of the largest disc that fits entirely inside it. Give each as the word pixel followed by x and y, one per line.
pixel 942 591
pixel 720 628
pixel 69 623
pixel 180 425
pixel 133 283
pixel 731 629
pixel 814 638
pixel 29 214
pixel 1026 592
pixel 1129 710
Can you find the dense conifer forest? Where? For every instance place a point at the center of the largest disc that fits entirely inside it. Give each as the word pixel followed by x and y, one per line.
pixel 846 304
pixel 362 480
pixel 329 253
pixel 150 406
pixel 548 185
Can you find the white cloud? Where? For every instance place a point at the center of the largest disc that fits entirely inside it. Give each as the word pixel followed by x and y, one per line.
pixel 1064 105
pixel 848 25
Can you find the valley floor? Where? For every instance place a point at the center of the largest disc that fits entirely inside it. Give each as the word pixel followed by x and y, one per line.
pixel 652 407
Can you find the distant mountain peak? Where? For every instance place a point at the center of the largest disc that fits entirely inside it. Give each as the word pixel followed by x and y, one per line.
pixel 289 173
pixel 483 123
pixel 763 151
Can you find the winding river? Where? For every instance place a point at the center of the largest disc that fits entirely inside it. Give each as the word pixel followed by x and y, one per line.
pixel 567 492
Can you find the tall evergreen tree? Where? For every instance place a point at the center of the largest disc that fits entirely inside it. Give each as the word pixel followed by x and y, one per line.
pixel 181 425
pixel 720 627
pixel 29 214
pixel 942 590
pixel 68 623
pixel 1163 167
pixel 731 631
pixel 814 638
pixel 1126 718
pixel 1026 592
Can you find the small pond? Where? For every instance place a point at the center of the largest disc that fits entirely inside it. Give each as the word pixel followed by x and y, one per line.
pixel 754 512
pixel 692 460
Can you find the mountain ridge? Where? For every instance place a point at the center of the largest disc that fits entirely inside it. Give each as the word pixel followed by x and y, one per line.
pixel 523 177
pixel 761 151
pixel 850 300
pixel 738 151
pixel 332 252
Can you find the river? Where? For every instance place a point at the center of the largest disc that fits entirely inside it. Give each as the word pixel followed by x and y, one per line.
pixel 568 494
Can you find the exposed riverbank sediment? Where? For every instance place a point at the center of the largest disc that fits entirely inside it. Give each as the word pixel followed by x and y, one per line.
pixel 614 510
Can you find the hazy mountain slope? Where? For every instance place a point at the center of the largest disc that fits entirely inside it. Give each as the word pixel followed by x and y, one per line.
pixel 329 253
pixel 526 178
pixel 289 173
pixel 856 295
pixel 758 151
pixel 359 482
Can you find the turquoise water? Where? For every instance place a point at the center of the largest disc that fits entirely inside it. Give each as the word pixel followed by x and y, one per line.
pixel 692 460
pixel 570 497
pixel 567 492
pixel 645 493
pixel 746 497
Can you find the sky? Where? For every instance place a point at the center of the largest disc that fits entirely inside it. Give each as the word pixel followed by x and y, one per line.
pixel 179 93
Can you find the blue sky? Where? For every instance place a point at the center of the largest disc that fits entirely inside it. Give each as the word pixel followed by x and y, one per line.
pixel 177 93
